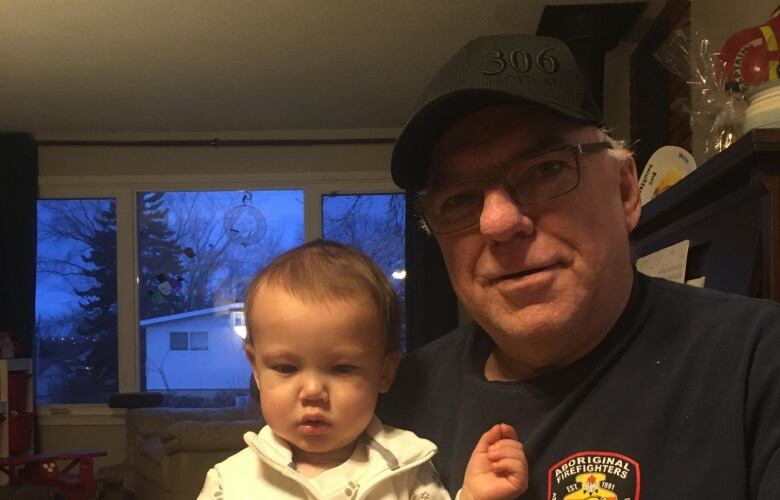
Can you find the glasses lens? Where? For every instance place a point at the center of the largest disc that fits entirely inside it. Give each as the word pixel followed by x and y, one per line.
pixel 544 177
pixel 534 180
pixel 453 207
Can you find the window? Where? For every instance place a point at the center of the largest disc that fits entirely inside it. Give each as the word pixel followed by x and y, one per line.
pixel 189 341
pixel 163 264
pixel 76 301
pixel 180 341
pixel 197 252
pixel 199 341
pixel 373 223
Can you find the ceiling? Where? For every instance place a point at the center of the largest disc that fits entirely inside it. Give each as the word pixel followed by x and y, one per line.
pixel 85 67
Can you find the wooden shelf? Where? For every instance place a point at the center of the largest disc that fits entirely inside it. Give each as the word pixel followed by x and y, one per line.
pixel 9 367
pixel 729 209
pixel 721 175
pixel 19 364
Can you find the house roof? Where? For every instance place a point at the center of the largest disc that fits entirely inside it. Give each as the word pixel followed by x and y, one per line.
pixel 211 311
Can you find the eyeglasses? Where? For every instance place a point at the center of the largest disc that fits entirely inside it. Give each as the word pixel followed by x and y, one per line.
pixel 532 180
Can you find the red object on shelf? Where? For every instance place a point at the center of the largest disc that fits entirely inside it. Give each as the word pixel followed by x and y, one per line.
pixel 20 432
pixel 751 56
pixel 17 390
pixel 46 470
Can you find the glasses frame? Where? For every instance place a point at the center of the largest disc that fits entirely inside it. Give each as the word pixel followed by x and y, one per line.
pixel 577 149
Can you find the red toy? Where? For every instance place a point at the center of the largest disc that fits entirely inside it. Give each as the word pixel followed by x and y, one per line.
pixel 44 470
pixel 751 57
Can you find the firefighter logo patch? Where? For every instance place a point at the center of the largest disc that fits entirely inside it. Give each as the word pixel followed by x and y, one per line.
pixel 594 475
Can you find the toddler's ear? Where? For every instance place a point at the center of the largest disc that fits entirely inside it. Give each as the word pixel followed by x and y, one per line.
pixel 390 365
pixel 249 350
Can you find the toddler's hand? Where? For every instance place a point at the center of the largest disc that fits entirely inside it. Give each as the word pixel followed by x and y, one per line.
pixel 498 469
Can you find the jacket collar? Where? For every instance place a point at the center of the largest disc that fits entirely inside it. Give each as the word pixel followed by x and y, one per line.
pixel 388 447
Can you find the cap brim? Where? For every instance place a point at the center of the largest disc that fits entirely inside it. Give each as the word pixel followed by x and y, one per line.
pixel 412 150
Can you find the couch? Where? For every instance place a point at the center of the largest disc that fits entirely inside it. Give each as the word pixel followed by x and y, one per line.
pixel 171 449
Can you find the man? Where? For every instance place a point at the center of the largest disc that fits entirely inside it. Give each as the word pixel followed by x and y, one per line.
pixel 619 385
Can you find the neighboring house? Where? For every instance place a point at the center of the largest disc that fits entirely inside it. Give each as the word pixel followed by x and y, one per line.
pixel 197 350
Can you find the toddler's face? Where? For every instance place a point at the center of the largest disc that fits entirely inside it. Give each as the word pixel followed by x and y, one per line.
pixel 319 368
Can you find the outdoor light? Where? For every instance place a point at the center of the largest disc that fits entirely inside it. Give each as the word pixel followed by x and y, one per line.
pixel 239 325
pixel 399 274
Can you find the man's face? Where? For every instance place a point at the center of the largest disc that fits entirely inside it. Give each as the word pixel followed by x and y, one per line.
pixel 546 281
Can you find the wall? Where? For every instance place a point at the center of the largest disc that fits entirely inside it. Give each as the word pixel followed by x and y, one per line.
pixel 719 19
pixel 617 84
pixel 80 432
pixel 326 160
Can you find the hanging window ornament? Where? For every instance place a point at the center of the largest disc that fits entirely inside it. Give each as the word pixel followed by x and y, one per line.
pixel 167 286
pixel 245 224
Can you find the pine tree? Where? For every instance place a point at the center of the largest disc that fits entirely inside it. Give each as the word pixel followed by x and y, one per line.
pixel 158 259
pixel 98 304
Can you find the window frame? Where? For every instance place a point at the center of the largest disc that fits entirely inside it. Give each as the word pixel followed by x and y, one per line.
pixel 124 189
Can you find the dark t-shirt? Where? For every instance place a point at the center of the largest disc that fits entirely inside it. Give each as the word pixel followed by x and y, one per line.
pixel 680 400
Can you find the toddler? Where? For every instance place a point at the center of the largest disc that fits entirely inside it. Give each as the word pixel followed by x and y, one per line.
pixel 322 338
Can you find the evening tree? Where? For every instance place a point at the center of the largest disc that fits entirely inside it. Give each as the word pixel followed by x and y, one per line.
pixel 160 268
pixel 98 304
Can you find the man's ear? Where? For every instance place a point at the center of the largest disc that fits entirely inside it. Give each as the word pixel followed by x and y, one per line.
pixel 629 193
pixel 389 367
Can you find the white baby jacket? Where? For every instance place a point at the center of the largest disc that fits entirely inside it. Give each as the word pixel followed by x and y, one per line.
pixel 393 465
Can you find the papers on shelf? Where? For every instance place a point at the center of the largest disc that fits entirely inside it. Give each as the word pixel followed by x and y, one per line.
pixel 668 263
pixel 697 282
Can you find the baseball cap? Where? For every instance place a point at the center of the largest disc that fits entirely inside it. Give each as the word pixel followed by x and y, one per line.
pixel 488 71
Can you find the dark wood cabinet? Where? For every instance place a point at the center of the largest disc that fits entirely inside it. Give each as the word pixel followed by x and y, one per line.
pixel 729 209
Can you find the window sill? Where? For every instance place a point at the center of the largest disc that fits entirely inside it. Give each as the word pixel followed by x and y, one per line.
pixel 52 415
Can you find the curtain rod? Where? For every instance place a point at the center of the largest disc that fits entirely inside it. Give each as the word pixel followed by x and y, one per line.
pixel 216 142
